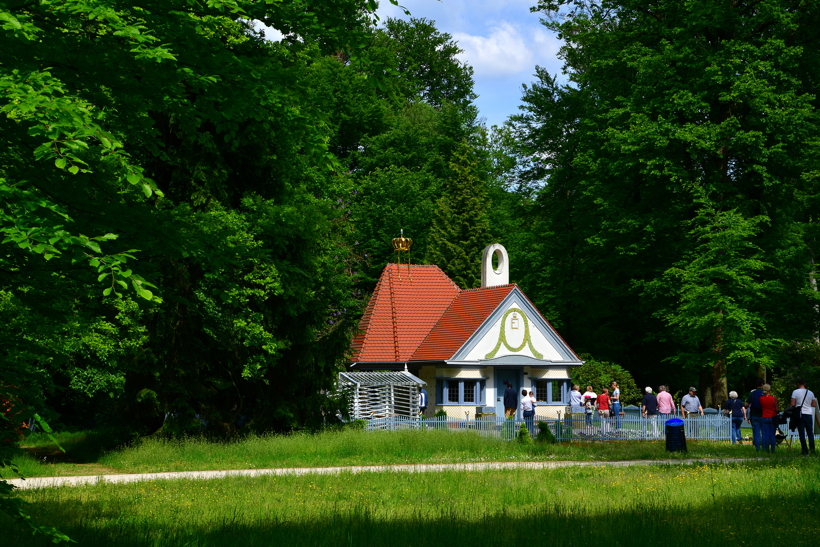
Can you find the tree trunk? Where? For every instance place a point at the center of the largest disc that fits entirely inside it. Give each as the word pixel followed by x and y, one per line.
pixel 813 285
pixel 720 387
pixel 705 386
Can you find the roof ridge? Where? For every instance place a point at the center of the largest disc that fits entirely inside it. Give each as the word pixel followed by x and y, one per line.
pixel 493 287
pixel 393 316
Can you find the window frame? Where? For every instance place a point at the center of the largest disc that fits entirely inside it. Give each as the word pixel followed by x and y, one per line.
pixel 564 387
pixel 443 391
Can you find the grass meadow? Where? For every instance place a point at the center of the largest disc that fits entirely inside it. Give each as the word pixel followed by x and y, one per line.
pixel 336 448
pixel 765 502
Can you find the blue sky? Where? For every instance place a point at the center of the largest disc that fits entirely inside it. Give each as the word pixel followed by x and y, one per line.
pixel 502 41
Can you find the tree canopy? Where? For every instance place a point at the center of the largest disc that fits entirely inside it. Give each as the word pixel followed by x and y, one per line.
pixel 679 171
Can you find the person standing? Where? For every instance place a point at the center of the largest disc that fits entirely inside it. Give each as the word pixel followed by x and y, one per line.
pixel 527 410
pixel 616 403
pixel 422 400
pixel 510 401
pixel 666 404
pixel 754 412
pixel 603 409
pixel 736 412
pixel 589 399
pixel 649 408
pixel 690 404
pixel 768 407
pixel 691 408
pixel 805 425
pixel 575 397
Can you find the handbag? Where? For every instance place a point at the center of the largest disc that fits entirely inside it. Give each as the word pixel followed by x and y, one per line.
pixel 795 411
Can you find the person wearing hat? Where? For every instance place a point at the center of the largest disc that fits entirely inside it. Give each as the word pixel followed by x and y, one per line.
pixel 690 404
pixel 649 407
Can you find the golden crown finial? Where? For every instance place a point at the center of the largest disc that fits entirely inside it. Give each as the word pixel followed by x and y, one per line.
pixel 402 245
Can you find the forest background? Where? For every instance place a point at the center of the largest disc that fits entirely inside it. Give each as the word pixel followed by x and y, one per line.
pixel 193 217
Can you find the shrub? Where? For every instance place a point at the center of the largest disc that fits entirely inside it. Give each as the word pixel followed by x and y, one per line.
pixel 356 425
pixel 523 436
pixel 545 434
pixel 440 416
pixel 801 360
pixel 600 374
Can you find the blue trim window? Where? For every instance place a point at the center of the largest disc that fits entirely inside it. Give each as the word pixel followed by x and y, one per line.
pixel 552 391
pixel 456 391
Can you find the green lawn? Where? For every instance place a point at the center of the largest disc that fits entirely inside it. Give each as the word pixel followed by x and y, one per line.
pixel 709 505
pixel 339 449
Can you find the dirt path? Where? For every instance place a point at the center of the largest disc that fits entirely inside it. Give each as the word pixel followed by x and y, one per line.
pixel 45 482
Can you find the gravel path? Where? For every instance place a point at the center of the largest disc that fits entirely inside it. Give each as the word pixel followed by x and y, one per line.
pixel 44 482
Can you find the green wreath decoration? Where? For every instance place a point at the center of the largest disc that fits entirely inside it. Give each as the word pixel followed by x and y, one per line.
pixel 502 336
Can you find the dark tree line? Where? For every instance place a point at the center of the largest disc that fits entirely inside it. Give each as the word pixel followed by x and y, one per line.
pixel 193 217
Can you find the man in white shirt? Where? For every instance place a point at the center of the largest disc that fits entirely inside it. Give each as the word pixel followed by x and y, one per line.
pixel 527 410
pixel 805 398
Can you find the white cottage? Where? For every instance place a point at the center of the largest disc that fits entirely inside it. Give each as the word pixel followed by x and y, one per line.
pixel 467 345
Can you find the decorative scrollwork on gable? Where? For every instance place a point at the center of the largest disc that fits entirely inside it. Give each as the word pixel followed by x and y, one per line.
pixel 502 336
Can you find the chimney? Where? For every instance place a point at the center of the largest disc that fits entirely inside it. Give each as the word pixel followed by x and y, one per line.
pixel 491 277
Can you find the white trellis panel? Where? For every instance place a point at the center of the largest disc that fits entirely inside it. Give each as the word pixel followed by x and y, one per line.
pixel 381 394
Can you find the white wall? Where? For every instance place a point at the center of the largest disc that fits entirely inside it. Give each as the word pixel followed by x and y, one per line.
pixel 514 339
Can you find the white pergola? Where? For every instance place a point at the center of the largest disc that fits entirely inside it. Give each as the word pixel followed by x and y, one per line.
pixel 381 394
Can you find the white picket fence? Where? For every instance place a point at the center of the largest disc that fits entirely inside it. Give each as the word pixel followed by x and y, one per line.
pixel 572 427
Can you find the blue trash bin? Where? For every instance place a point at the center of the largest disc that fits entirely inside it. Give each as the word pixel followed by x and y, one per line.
pixel 675 436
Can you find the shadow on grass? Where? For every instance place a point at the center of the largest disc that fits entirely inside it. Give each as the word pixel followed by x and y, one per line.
pixel 547 522
pixel 85 447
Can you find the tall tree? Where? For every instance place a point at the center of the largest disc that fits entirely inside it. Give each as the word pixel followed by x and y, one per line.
pixel 687 139
pixel 175 133
pixel 402 161
pixel 427 61
pixel 461 227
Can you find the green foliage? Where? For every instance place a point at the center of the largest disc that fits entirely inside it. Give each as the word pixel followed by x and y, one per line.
pixel 545 434
pixel 173 133
pixel 356 425
pixel 600 374
pixel 428 63
pixel 800 360
pixel 676 182
pixel 11 414
pixel 523 435
pixel 461 226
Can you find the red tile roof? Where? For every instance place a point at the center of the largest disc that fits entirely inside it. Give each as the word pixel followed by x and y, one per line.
pixel 467 312
pixel 402 311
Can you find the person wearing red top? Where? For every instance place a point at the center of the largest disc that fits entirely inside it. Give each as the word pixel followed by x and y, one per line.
pixel 768 405
pixel 603 409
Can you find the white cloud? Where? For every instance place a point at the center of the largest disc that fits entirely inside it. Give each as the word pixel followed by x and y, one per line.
pixel 271 34
pixel 504 52
pixel 546 48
